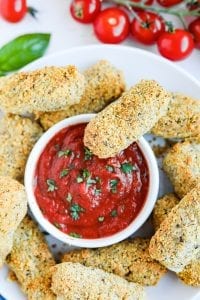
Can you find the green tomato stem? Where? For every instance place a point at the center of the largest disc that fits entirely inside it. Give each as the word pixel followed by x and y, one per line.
pixel 178 13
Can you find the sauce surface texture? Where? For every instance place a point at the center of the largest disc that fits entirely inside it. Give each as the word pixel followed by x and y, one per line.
pixel 85 196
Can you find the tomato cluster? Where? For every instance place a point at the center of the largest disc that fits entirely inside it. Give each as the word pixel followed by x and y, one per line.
pixel 113 25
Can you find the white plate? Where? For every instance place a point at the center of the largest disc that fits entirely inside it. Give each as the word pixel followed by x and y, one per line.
pixel 136 64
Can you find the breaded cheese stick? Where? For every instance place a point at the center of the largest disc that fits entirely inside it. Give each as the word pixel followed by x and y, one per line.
pixel 47 89
pixel 177 242
pixel 182 165
pixel 31 261
pixel 127 119
pixel 17 137
pixel 73 281
pixel 129 259
pixel 182 119
pixel 191 273
pixel 13 207
pixel 162 208
pixel 104 84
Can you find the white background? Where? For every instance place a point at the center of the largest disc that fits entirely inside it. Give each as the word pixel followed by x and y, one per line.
pixel 54 17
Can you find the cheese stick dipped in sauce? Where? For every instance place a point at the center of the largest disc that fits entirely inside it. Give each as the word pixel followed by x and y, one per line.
pixel 127 119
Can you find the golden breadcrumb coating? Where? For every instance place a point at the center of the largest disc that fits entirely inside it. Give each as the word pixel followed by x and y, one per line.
pixel 128 259
pixel 177 242
pixel 31 261
pixel 46 89
pixel 182 119
pixel 104 84
pixel 182 165
pixel 162 208
pixel 127 119
pixel 73 281
pixel 13 207
pixel 191 273
pixel 17 137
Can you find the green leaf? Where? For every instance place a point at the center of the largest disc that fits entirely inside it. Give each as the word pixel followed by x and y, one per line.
pixel 23 50
pixel 97 192
pixel 75 210
pixel 85 173
pixel 79 179
pixel 91 181
pixel 75 235
pixel 127 168
pixel 51 185
pixel 110 169
pixel 113 185
pixel 66 152
pixel 32 11
pixel 88 154
pixel 113 213
pixel 64 173
pixel 101 219
pixel 69 197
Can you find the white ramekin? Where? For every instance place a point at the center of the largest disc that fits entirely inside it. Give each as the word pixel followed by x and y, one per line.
pixel 90 243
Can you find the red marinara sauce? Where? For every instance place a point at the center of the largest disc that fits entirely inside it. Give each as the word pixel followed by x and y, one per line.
pixel 88 197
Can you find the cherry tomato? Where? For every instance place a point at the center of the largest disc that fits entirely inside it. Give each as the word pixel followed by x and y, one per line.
pixel 194 28
pixel 112 25
pixel 175 45
pixel 193 4
pixel 149 29
pixel 168 3
pixel 13 10
pixel 85 11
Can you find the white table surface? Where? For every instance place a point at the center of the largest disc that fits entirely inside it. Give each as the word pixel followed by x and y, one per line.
pixel 54 17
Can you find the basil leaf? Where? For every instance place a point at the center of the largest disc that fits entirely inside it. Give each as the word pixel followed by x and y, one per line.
pixel 22 50
pixel 75 235
pixel 75 210
pixel 127 168
pixel 51 185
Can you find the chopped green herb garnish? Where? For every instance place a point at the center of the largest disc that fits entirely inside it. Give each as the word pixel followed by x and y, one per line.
pixel 79 179
pixel 64 173
pixel 113 213
pixel 97 179
pixel 97 192
pixel 75 210
pixel 113 185
pixel 110 169
pixel 51 185
pixel 91 181
pixel 66 152
pixel 69 197
pixel 88 154
pixel 127 168
pixel 57 225
pixel 85 173
pixel 75 235
pixel 101 219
